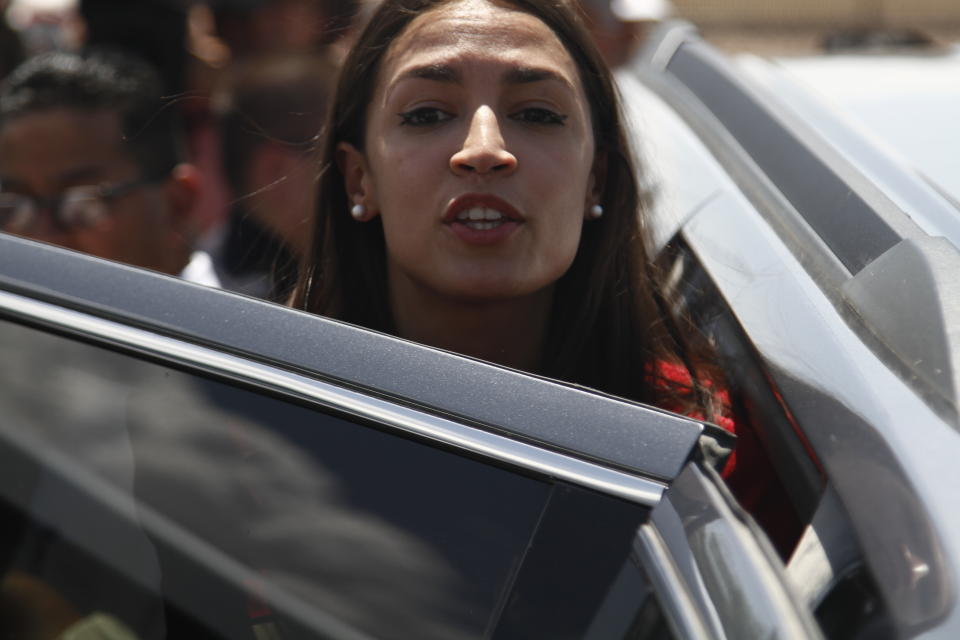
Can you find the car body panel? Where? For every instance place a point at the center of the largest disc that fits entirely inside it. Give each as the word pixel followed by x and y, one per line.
pixel 222 486
pixel 785 238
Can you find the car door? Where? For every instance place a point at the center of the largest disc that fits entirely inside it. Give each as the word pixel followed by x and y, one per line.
pixel 169 467
pixel 187 506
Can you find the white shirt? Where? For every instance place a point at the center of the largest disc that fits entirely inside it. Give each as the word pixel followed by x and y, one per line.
pixel 200 270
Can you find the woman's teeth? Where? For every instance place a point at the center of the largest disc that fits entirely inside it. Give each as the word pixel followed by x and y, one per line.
pixel 481 218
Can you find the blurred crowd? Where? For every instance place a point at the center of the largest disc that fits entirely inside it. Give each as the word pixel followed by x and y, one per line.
pixel 178 135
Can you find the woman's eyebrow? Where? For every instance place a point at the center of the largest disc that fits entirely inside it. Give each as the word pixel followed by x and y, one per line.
pixel 528 75
pixel 437 72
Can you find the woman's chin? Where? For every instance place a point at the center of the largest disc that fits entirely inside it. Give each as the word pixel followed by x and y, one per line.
pixel 490 290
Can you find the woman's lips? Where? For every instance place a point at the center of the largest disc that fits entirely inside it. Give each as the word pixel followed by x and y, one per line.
pixel 481 218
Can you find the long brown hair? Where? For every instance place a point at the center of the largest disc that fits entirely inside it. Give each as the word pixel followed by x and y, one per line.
pixel 611 326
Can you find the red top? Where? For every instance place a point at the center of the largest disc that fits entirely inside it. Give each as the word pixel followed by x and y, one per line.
pixel 748 472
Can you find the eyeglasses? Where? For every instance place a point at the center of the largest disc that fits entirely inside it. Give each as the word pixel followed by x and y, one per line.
pixel 76 207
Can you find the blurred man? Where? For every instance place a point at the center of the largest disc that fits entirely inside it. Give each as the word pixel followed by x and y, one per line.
pixel 269 111
pixel 153 30
pixel 90 160
pixel 619 27
pixel 12 52
pixel 256 27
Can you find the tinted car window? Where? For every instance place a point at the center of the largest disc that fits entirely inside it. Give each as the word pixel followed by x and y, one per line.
pixel 581 577
pixel 389 536
pixel 631 609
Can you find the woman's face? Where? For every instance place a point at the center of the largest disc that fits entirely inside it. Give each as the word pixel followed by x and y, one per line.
pixel 478 157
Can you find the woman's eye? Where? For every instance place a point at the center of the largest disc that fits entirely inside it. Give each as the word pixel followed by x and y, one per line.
pixel 423 116
pixel 539 115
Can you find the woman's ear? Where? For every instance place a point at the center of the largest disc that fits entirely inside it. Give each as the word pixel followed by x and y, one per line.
pixel 598 178
pixel 596 181
pixel 357 181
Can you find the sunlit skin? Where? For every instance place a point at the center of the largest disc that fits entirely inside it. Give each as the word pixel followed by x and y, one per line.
pixel 45 152
pixel 476 102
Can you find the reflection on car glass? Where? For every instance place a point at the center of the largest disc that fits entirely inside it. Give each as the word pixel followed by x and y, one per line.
pixel 631 609
pixel 392 537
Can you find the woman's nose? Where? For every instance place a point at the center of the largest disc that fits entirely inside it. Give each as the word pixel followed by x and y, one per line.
pixel 483 150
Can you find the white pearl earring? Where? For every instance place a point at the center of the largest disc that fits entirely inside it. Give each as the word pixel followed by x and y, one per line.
pixel 596 211
pixel 358 211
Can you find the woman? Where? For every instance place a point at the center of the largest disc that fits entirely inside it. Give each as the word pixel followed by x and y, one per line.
pixel 478 195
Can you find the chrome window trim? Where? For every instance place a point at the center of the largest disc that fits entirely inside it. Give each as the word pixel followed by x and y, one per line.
pixel 491 445
pixel 682 613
